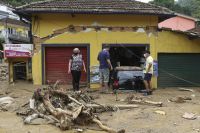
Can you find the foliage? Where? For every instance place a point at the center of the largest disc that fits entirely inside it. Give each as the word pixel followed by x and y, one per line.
pixel 171 4
pixel 18 2
pixel 1 43
pixel 192 5
pixel 188 7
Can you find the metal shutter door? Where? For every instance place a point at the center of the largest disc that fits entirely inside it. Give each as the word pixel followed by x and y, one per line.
pixel 56 63
pixel 178 70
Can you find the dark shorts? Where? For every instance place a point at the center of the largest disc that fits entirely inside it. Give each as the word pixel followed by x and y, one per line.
pixel 147 76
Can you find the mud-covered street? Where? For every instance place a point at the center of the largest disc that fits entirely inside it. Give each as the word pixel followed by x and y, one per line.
pixel 143 119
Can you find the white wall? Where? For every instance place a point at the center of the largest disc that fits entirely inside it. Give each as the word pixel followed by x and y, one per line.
pixel 7 12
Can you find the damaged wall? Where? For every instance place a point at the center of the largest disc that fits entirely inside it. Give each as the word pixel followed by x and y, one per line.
pixel 4 76
pixel 4 72
pixel 90 29
pixel 101 29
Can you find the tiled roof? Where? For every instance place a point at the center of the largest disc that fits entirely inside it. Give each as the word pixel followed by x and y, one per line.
pixel 95 7
pixel 13 21
pixel 196 30
pixel 193 33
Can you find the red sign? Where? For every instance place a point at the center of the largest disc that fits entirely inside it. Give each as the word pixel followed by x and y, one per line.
pixel 18 50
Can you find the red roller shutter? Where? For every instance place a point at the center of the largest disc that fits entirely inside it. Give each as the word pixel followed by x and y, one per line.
pixel 56 63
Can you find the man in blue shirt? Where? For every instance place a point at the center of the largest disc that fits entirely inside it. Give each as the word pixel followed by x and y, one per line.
pixel 104 66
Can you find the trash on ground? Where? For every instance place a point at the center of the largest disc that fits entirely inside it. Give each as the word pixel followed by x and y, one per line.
pixel 79 130
pixel 6 101
pixel 179 99
pixel 131 99
pixel 189 116
pixel 197 130
pixel 184 89
pixel 160 112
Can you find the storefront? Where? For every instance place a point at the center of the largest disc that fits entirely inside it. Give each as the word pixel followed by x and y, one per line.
pixel 18 57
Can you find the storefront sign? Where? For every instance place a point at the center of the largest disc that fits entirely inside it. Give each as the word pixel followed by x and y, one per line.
pixel 94 74
pixel 18 50
pixel 155 68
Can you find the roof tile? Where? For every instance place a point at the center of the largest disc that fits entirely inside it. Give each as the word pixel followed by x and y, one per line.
pixel 95 6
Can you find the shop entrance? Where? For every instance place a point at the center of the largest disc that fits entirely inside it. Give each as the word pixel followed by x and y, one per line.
pixel 19 71
pixel 127 55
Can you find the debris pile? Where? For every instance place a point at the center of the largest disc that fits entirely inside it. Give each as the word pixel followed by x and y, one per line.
pixel 5 102
pixel 66 110
pixel 131 99
pixel 3 72
pixel 180 99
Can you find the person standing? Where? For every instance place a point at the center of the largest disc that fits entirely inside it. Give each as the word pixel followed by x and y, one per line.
pixel 76 64
pixel 104 67
pixel 148 72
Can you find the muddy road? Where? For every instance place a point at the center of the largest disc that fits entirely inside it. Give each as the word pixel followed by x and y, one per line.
pixel 139 120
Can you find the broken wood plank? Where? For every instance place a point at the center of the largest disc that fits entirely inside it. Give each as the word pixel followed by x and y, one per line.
pixel 145 102
pixel 185 89
pixel 105 128
pixel 125 106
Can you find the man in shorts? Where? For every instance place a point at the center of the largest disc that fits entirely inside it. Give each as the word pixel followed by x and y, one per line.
pixel 104 67
pixel 148 72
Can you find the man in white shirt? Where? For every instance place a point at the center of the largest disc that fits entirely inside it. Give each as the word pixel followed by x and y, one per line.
pixel 148 72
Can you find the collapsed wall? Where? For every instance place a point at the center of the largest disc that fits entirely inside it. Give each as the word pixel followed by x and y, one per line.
pixel 4 77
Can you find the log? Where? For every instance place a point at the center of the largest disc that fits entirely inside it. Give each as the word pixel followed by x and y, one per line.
pixel 180 99
pixel 77 112
pixel 74 100
pixel 98 106
pixel 65 123
pixel 144 102
pixel 56 112
pixel 30 118
pixel 105 128
pixel 184 89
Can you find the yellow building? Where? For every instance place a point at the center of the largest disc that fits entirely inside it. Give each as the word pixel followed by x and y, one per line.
pixel 127 25
pixel 14 31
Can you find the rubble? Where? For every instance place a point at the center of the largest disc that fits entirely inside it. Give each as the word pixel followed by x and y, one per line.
pixel 4 72
pixel 160 112
pixel 66 109
pixel 131 99
pixel 180 99
pixel 5 102
pixel 184 89
pixel 189 116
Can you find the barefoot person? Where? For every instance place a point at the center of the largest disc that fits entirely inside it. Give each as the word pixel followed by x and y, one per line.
pixel 148 72
pixel 105 65
pixel 76 64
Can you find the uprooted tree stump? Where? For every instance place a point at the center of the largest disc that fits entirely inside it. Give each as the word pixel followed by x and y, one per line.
pixel 68 109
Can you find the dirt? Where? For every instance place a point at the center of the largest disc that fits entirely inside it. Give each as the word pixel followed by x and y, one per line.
pixel 139 120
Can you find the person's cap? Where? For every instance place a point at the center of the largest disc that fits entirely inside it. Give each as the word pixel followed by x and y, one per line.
pixel 76 50
pixel 147 52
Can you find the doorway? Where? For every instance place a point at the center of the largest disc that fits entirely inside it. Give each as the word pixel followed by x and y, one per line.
pixel 127 54
pixel 19 71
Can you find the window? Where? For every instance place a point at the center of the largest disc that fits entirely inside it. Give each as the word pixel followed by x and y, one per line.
pixel 10 30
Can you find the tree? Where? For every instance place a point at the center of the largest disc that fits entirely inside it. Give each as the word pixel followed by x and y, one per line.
pixel 18 2
pixel 188 7
pixel 175 6
pixel 192 5
pixel 165 3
